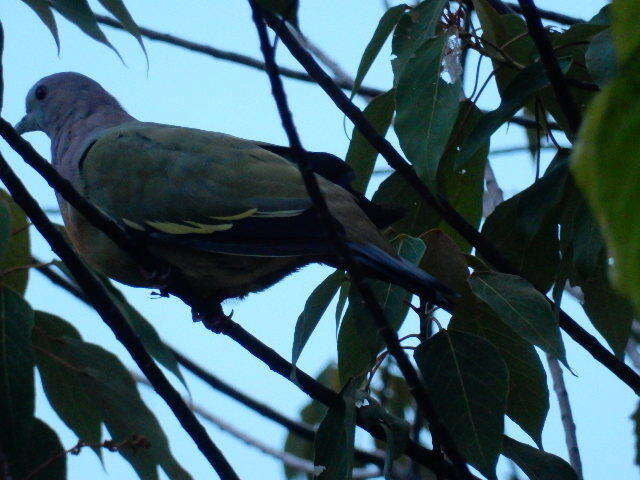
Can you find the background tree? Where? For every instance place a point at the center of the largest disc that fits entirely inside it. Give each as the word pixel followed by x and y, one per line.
pixel 574 86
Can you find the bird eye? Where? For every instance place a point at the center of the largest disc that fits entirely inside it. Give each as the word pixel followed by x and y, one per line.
pixel 41 92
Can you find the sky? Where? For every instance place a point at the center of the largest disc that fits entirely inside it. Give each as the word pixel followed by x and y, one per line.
pixel 190 89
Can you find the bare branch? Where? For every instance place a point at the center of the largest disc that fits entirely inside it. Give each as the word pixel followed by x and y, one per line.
pixel 286 458
pixel 566 414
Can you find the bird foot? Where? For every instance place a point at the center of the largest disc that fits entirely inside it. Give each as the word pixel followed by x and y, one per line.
pixel 214 319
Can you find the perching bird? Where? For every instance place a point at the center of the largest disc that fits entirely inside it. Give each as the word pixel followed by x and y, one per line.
pixel 231 214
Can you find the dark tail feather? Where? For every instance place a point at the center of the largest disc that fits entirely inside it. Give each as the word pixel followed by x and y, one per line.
pixel 379 264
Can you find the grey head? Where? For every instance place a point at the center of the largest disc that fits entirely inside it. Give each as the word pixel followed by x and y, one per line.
pixel 69 107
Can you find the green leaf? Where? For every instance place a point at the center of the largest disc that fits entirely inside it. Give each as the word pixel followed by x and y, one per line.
pixel 602 161
pixel 585 250
pixel 525 227
pixel 415 26
pixel 314 308
pixel 467 383
pixel 78 371
pixel 522 307
pixel 5 227
pixel 16 375
pixel 361 156
pixel 46 454
pixel 625 30
pixel 67 393
pixel 79 13
pixel 288 9
pixel 17 254
pixel 342 301
pixel 301 448
pixel 427 107
pixel 538 465
pixel 383 30
pixel 528 399
pixel 515 95
pixel 601 58
pixel 462 187
pixel 358 339
pixel 333 445
pixel 41 8
pixel 120 12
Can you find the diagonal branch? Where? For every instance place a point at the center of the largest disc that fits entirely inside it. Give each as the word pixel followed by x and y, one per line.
pixel 440 204
pixel 551 66
pixel 112 316
pixel 342 249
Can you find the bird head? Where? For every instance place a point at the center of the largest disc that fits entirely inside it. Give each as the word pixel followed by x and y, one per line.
pixel 60 99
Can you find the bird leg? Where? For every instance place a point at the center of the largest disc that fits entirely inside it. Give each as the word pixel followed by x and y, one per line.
pixel 213 318
pixel 158 279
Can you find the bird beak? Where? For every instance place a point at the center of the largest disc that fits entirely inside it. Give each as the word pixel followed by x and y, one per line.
pixel 27 124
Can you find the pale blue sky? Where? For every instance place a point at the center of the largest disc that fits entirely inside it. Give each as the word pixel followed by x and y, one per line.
pixel 189 89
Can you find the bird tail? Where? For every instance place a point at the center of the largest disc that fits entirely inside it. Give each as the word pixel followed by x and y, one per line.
pixel 379 264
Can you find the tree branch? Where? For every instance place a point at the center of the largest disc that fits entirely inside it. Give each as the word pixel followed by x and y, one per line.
pixel 551 66
pixel 248 61
pixel 448 213
pixel 566 415
pixel 548 15
pixel 111 315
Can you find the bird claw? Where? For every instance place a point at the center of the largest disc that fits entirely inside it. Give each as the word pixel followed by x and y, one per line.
pixel 158 278
pixel 214 320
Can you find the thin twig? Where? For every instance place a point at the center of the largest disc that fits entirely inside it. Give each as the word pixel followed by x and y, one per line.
pixel 549 15
pixel 566 414
pixel 552 67
pixel 286 458
pixel 444 208
pixel 365 91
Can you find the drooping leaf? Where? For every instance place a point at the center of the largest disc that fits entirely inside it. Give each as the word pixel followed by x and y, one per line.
pixel 46 455
pixel 585 250
pixel 528 399
pixel 5 227
pixel 396 432
pixel 17 392
pixel 333 445
pixel 358 339
pixel 517 303
pixel 413 29
pixel 79 13
pixel 17 254
pixel 467 382
pixel 462 187
pixel 515 95
pixel 601 58
pixel 538 465
pixel 314 308
pixel 625 30
pixel 427 107
pixel 342 302
pixel 42 9
pixel 361 156
pixel 383 30
pixel 525 227
pixel 78 371
pixel 120 12
pixel 602 164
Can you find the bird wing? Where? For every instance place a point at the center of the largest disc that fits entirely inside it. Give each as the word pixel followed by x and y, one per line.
pixel 201 189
